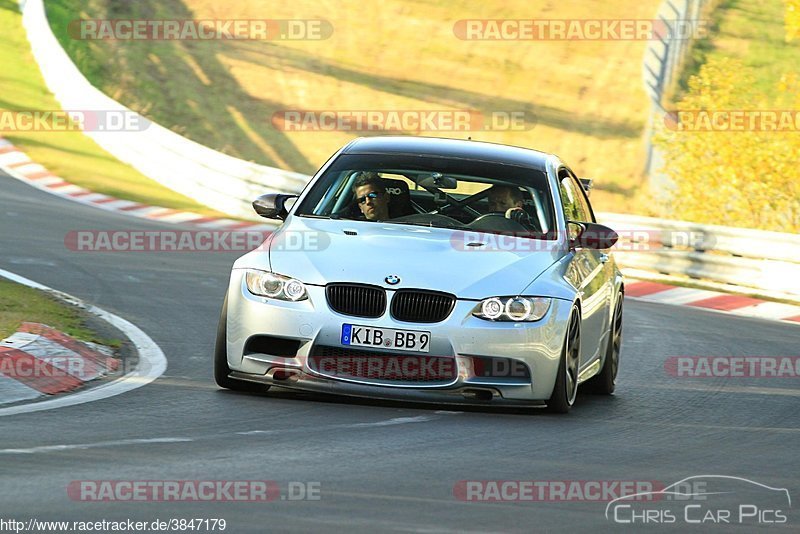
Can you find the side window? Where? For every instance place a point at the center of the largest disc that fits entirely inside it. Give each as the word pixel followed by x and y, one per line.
pixel 582 200
pixel 575 207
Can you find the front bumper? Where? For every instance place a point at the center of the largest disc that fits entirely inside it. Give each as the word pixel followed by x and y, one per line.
pixel 460 338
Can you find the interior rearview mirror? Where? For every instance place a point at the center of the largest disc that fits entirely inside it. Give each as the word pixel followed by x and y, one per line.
pixel 439 181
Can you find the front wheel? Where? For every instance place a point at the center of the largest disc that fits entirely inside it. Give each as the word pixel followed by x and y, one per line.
pixel 605 382
pixel 566 387
pixel 221 369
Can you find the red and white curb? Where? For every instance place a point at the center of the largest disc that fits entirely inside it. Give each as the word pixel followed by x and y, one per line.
pixel 39 360
pixel 712 300
pixel 37 340
pixel 19 165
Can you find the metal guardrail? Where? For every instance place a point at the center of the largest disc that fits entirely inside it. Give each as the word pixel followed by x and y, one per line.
pixel 767 263
pixel 212 178
pixel 662 59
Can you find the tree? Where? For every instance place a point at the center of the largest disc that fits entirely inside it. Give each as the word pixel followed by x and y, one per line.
pixel 728 162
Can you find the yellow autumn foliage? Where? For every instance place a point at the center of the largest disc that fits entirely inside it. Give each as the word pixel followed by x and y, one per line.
pixel 792 19
pixel 746 176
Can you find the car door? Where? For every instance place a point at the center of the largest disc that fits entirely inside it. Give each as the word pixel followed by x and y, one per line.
pixel 588 270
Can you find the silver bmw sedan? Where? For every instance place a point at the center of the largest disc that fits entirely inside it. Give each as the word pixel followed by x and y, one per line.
pixel 432 270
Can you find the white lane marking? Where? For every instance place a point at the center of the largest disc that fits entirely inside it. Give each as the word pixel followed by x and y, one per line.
pixel 29 261
pixel 99 444
pixel 152 362
pixel 386 422
pixel 395 421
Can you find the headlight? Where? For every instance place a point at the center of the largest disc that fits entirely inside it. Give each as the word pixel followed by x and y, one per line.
pixel 275 286
pixel 516 309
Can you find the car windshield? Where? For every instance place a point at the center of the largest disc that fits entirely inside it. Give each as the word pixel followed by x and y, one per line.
pixel 435 192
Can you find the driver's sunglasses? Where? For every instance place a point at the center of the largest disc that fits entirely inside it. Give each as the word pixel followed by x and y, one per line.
pixel 372 194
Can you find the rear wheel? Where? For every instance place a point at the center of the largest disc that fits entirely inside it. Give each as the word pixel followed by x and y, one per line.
pixel 221 369
pixel 605 382
pixel 566 387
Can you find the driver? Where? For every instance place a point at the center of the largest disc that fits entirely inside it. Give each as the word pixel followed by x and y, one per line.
pixel 507 200
pixel 371 196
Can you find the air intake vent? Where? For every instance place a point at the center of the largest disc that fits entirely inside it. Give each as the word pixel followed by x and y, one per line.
pixel 419 306
pixel 400 369
pixel 356 300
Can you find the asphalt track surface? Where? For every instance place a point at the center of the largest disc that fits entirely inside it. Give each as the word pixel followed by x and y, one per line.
pixel 381 466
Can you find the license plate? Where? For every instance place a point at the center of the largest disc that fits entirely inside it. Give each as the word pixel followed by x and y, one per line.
pixel 388 338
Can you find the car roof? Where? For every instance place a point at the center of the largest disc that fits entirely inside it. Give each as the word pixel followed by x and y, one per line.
pixel 451 148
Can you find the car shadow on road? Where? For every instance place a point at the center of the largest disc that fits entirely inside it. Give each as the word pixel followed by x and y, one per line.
pixel 586 404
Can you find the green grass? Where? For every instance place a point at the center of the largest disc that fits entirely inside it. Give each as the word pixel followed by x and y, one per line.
pixel 753 32
pixel 19 304
pixel 391 55
pixel 71 155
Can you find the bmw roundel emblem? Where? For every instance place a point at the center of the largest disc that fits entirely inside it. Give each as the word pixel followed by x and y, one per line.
pixel 392 280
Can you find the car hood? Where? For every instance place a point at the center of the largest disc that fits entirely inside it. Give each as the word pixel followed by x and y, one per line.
pixel 320 251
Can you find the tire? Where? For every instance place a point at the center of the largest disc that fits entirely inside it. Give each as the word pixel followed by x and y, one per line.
pixel 605 382
pixel 221 369
pixel 566 387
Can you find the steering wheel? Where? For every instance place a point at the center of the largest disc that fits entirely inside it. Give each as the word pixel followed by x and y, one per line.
pixel 487 216
pixel 499 222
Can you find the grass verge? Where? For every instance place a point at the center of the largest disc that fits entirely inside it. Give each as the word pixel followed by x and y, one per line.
pixel 19 304
pixel 70 155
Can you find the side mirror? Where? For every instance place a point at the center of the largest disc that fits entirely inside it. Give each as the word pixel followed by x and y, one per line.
pixel 272 206
pixel 592 235
pixel 587 184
